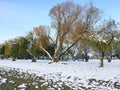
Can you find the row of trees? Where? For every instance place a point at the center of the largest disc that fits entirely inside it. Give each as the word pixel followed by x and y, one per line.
pixel 23 48
pixel 75 26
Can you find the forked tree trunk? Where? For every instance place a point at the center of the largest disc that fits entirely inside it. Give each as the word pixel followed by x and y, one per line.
pixel 101 60
pixel 33 57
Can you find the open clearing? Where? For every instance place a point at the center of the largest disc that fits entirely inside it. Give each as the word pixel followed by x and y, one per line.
pixel 75 74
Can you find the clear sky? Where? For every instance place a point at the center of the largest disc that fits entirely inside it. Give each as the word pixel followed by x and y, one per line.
pixel 18 17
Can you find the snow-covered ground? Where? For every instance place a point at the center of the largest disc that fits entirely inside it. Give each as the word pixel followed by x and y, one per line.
pixel 72 73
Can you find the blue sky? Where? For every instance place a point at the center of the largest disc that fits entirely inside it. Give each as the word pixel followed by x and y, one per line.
pixel 18 17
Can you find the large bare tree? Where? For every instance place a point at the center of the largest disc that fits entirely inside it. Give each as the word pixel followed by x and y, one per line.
pixel 70 21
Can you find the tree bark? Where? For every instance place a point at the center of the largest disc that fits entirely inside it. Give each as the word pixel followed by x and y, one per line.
pixel 58 53
pixel 46 52
pixel 101 60
pixel 86 55
pixel 111 56
pixel 14 59
pixel 33 57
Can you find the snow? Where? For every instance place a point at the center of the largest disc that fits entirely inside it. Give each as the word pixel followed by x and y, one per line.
pixel 3 80
pixel 22 86
pixel 69 72
pixel 100 38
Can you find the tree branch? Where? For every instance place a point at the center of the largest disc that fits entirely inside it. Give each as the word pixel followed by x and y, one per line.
pixel 30 53
pixel 70 47
pixel 47 53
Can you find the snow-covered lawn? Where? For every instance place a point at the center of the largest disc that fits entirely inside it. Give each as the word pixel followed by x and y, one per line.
pixel 72 73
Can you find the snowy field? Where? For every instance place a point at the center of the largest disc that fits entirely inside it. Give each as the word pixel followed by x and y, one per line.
pixel 75 74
